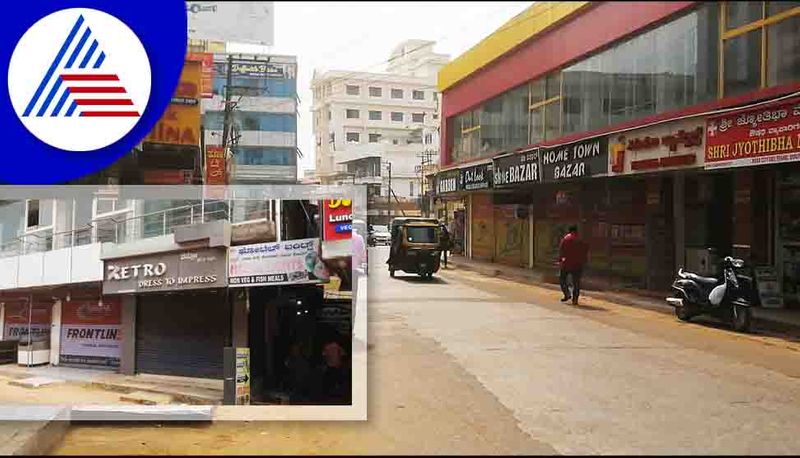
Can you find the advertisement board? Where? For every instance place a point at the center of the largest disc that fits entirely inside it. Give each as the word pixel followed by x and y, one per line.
pixel 577 160
pixel 20 320
pixel 337 217
pixel 766 135
pixel 239 22
pixel 180 123
pixel 242 376
pixel 206 72
pixel 515 169
pixel 91 332
pixel 183 270
pixel 256 69
pixel 280 263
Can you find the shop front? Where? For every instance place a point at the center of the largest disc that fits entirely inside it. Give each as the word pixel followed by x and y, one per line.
pixel 515 179
pixel 451 208
pixel 291 322
pixel 476 181
pixel 758 150
pixel 178 317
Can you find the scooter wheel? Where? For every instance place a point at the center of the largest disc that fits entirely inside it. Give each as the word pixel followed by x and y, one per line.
pixel 741 319
pixel 683 313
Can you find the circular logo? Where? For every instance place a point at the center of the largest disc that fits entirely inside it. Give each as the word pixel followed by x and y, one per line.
pixel 79 79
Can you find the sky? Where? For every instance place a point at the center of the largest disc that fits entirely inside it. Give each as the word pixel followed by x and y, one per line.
pixel 358 36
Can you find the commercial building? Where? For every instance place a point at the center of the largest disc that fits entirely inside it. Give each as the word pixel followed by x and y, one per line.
pixel 662 129
pixel 263 96
pixel 142 286
pixel 380 129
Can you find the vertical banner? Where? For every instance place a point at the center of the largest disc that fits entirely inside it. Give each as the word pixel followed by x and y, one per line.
pixel 91 332
pixel 242 376
pixel 216 170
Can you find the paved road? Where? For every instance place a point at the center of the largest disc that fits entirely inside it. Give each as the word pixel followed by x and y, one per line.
pixel 468 364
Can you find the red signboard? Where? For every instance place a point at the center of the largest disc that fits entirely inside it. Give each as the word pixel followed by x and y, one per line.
pixel 337 219
pixel 216 170
pixel 167 177
pixel 770 134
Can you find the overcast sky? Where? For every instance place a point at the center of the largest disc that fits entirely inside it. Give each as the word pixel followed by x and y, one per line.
pixel 359 36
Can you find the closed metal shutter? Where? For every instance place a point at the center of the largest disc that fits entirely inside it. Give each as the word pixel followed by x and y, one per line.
pixel 182 334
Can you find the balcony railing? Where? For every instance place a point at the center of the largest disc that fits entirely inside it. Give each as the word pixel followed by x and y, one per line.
pixel 119 228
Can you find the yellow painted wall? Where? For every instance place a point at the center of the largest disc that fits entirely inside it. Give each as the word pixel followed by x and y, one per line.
pixel 522 27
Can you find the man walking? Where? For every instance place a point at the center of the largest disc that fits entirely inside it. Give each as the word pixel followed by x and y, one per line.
pixel 572 252
pixel 444 241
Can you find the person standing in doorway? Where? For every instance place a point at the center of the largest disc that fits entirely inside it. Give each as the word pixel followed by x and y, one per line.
pixel 572 253
pixel 444 242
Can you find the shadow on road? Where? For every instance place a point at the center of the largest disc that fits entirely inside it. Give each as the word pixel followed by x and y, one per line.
pixel 590 308
pixel 413 278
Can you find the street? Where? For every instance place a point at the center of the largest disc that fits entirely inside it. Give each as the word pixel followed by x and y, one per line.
pixel 467 364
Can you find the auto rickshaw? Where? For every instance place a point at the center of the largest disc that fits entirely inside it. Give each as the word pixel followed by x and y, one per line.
pixel 415 248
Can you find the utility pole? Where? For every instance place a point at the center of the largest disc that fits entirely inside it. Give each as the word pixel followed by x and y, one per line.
pixel 389 196
pixel 228 119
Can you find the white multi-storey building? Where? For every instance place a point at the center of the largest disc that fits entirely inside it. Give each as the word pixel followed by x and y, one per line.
pixel 366 124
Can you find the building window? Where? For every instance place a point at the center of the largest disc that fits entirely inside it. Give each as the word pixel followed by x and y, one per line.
pixel 742 59
pixel 418 95
pixel 397 116
pixel 33 213
pixel 783 52
pixel 353 90
pixel 397 93
pixel 417 117
pixel 375 115
pixel 353 137
pixel 375 92
pixel 411 188
pixel 352 114
pixel 329 115
pixel 748 33
pixel 374 138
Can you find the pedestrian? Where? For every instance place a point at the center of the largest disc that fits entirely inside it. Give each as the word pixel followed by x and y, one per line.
pixel 333 378
pixel 572 253
pixel 444 242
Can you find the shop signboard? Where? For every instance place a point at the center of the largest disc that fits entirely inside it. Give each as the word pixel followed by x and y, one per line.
pixel 515 169
pixel 765 135
pixel 216 171
pixel 91 332
pixel 174 271
pixel 769 290
pixel 20 321
pixel 281 263
pixel 475 177
pixel 337 219
pixel 180 123
pixel 242 376
pixel 448 182
pixel 668 146
pixel 576 160
pixel 255 69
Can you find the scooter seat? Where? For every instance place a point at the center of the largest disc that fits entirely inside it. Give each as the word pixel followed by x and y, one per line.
pixel 707 281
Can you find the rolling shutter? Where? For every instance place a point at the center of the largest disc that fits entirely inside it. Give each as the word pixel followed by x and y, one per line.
pixel 182 334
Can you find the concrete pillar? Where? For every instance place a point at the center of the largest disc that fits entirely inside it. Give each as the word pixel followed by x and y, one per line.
pixel 55 333
pixel 127 364
pixel 468 226
pixel 531 236
pixel 679 218
pixel 2 319
pixel 240 306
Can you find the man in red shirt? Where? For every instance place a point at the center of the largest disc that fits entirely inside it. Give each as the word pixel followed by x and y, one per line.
pixel 572 252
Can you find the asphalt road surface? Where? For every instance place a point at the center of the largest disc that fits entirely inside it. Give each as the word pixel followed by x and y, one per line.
pixel 468 364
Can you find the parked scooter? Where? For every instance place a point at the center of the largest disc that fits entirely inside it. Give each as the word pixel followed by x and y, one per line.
pixel 728 297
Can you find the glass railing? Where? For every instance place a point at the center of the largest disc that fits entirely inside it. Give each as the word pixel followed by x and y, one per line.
pixel 121 228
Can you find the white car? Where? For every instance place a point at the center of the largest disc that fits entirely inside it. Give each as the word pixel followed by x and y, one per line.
pixel 379 235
